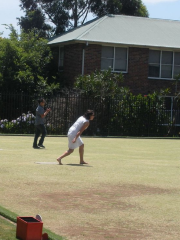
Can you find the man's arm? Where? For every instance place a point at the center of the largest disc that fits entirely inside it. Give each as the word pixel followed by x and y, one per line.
pixel 45 113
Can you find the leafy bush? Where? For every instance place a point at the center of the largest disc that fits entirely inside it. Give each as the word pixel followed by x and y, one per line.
pixel 23 124
pixel 101 83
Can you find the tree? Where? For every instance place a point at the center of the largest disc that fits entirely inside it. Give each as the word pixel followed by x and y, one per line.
pixel 125 7
pixel 134 8
pixel 34 19
pixel 72 13
pixel 23 63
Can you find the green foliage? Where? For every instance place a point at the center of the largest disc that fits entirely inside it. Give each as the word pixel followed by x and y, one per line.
pixel 142 11
pixel 35 20
pixel 138 115
pixel 36 13
pixel 177 78
pixel 23 124
pixel 23 63
pixel 125 7
pixel 9 63
pixel 101 83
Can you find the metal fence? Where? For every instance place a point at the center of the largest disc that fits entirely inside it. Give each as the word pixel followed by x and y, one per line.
pixel 123 116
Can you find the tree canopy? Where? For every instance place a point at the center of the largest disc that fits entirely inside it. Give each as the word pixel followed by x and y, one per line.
pixel 124 7
pixel 23 63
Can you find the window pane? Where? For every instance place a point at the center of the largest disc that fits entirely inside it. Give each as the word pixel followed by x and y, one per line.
pixel 177 58
pixel 62 53
pixel 167 57
pixel 120 65
pixel 154 70
pixel 61 63
pixel 107 52
pixel 166 71
pixel 176 70
pixel 154 56
pixel 106 63
pixel 121 53
pixel 61 57
pixel 120 59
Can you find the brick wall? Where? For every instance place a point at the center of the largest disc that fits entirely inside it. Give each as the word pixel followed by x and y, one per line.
pixel 92 58
pixel 136 78
pixel 72 62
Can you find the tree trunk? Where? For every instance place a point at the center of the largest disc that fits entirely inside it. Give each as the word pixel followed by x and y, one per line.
pixel 75 14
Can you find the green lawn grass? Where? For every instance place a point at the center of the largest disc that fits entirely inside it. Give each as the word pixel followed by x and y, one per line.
pixel 129 190
pixel 7 230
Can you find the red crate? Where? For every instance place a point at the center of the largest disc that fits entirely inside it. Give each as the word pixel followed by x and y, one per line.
pixel 29 228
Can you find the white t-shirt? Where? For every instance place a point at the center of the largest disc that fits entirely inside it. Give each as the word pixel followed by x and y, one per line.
pixel 74 129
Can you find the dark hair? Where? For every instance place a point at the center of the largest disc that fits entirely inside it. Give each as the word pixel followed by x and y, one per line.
pixel 88 113
pixel 41 100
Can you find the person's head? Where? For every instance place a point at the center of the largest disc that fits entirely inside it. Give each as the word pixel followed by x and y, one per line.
pixel 42 102
pixel 89 114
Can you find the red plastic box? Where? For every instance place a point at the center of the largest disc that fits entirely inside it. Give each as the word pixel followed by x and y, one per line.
pixel 29 228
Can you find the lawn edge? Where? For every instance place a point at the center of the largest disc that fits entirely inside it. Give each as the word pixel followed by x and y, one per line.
pixel 11 216
pixel 86 136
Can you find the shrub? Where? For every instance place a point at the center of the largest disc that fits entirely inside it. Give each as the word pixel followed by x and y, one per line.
pixel 24 124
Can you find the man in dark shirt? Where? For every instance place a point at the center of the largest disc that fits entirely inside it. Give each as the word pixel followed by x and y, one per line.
pixel 39 124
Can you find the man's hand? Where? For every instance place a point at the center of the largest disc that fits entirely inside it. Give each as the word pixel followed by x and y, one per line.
pixel 46 112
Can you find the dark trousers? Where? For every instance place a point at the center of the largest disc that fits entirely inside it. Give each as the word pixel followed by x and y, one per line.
pixel 39 130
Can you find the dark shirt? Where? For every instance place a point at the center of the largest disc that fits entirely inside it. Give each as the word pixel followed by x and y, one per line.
pixel 39 112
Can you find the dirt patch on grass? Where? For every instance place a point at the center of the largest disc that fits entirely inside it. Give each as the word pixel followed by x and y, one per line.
pixel 97 205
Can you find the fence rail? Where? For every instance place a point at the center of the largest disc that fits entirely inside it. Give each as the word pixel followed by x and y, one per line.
pixel 123 116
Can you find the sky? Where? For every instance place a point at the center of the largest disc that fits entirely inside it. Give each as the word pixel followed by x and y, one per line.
pixel 163 9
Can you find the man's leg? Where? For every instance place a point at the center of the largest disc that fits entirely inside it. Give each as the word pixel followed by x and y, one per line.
pixel 37 134
pixel 43 132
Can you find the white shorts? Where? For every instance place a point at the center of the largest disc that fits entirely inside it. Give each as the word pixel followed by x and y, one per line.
pixel 72 145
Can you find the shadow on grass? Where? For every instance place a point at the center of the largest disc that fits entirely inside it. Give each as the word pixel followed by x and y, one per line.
pixel 78 165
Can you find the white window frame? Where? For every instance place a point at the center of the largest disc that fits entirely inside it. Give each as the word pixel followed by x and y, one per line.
pixel 160 65
pixel 127 51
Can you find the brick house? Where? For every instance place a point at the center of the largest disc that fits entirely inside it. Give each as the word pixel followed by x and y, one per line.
pixel 145 50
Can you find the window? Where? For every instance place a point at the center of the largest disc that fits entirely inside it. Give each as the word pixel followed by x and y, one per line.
pixel 164 64
pixel 154 63
pixel 61 58
pixel 114 57
pixel 176 63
